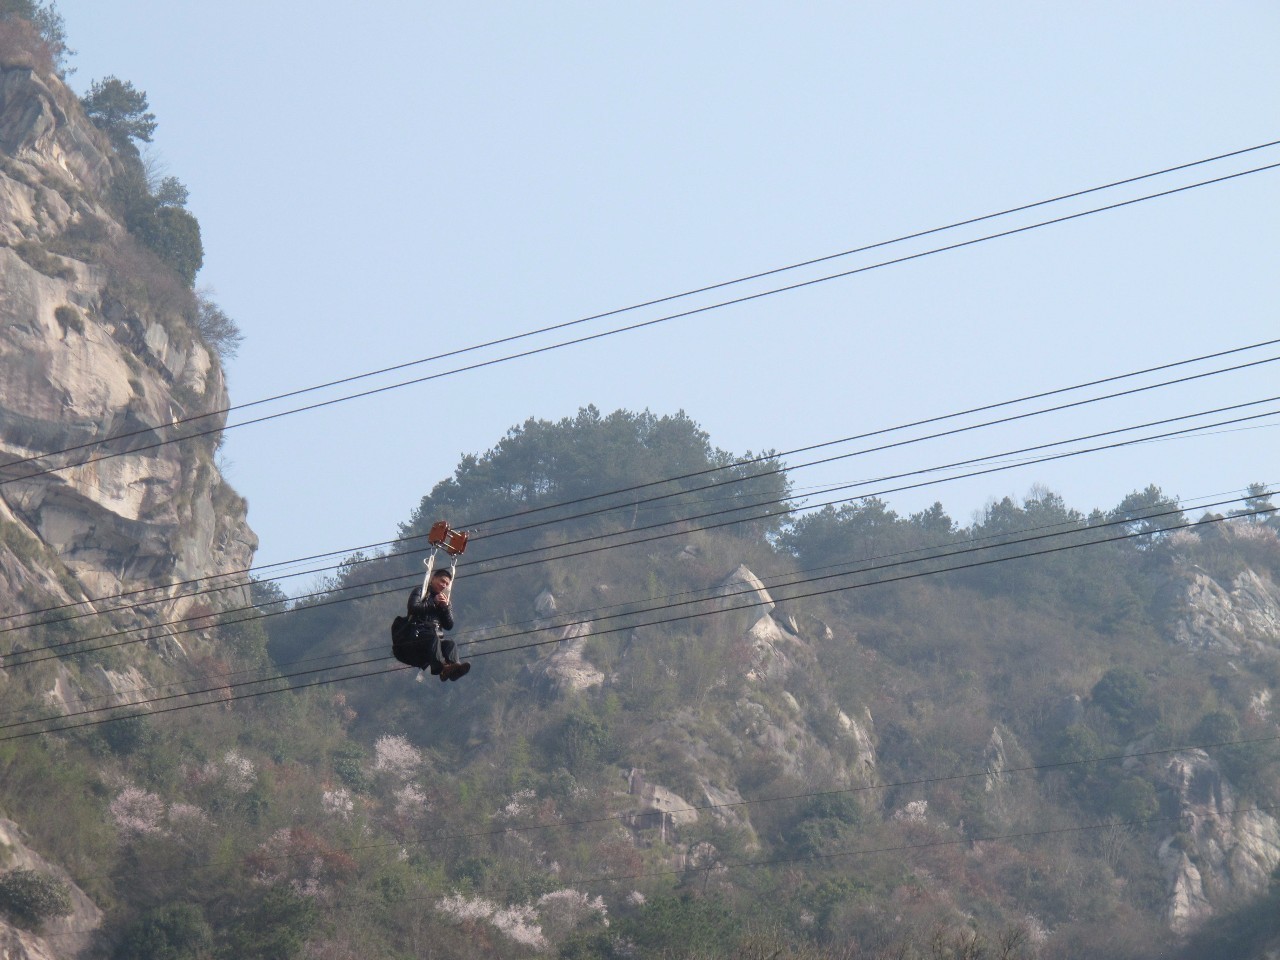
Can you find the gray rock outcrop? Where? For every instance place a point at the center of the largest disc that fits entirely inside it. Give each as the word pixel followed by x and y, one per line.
pixel 94 346
pixel 1222 848
pixel 741 588
pixel 567 668
pixel 764 638
pixel 1241 617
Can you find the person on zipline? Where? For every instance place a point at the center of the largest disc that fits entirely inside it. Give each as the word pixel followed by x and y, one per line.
pixel 427 621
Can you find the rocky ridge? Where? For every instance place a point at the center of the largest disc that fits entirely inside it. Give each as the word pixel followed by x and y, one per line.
pixel 89 350
pixel 97 340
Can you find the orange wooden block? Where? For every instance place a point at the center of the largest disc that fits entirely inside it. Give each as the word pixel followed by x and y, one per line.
pixel 453 541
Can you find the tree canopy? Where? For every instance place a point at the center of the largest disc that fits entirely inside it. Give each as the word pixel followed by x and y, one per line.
pixel 121 110
pixel 541 462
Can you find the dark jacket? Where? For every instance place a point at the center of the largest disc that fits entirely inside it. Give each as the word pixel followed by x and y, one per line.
pixel 436 614
pixel 417 639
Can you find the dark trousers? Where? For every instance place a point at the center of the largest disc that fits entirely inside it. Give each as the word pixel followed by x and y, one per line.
pixel 421 645
pixel 448 650
pixel 439 650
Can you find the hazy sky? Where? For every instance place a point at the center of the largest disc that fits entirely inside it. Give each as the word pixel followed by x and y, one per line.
pixel 387 181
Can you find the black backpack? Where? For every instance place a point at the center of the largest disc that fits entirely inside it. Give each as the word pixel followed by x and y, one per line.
pixel 410 642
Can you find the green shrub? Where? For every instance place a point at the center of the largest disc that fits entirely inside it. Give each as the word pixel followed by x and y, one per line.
pixel 173 235
pixel 177 931
pixel 1134 799
pixel 582 742
pixel 69 319
pixel 1122 693
pixel 348 764
pixel 127 735
pixel 1078 743
pixel 275 926
pixel 38 258
pixel 29 898
pixel 1216 727
pixel 675 926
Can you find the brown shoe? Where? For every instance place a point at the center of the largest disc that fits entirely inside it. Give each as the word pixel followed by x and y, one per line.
pixel 459 670
pixel 447 671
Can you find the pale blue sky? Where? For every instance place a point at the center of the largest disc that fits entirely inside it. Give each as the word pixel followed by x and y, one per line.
pixel 384 181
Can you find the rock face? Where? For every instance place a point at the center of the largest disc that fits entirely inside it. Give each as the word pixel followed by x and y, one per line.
pixel 1222 847
pixel 662 805
pixel 97 343
pixel 765 638
pixel 1243 616
pixel 863 764
pixel 743 587
pixel 567 668
pixel 91 350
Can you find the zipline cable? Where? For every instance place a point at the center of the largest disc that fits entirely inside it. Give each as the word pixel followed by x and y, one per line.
pixel 188 627
pixel 702 594
pixel 653 499
pixel 221 697
pixel 657 301
pixel 640 325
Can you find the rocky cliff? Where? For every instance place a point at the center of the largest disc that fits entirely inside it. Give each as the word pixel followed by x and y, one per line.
pixel 92 347
pixel 98 340
pixel 1223 849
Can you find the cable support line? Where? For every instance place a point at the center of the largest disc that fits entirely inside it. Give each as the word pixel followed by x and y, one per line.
pixel 649 500
pixel 656 301
pixel 640 325
pixel 653 483
pixel 191 628
pixel 856 586
pixel 704 472
pixel 220 688
pixel 704 594
pixel 943 554
pixel 890 446
pixel 223 697
pixel 217 691
pixel 788 511
pixel 202 678
pixel 712 593
pixel 192 581
pixel 188 627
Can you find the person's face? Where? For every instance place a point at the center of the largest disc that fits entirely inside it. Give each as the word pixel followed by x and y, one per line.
pixel 440 582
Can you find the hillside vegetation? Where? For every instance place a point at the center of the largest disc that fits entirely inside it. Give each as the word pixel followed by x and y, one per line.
pixel 896 769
